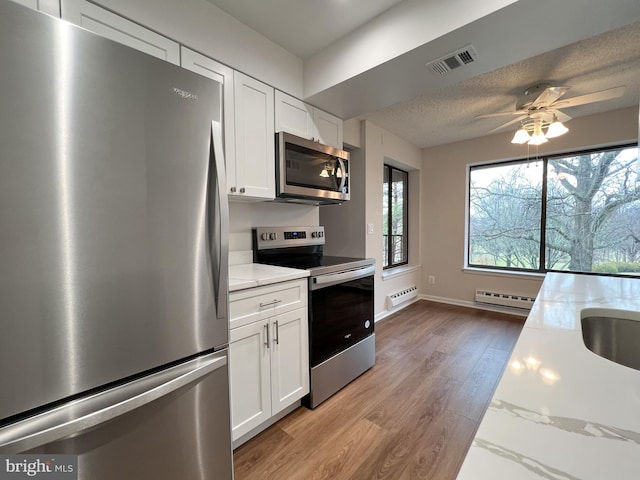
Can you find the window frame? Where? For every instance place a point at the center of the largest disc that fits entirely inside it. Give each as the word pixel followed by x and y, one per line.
pixel 543 212
pixel 388 247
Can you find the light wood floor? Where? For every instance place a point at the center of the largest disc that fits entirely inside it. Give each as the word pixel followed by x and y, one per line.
pixel 412 416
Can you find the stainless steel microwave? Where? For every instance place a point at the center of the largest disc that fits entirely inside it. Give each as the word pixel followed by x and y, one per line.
pixel 310 172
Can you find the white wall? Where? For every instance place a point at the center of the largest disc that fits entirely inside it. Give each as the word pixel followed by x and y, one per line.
pixel 245 216
pixel 205 28
pixel 383 147
pixel 444 200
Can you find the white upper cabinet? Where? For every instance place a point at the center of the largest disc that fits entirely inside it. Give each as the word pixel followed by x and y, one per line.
pixel 328 127
pixel 222 74
pixel 296 117
pixel 51 7
pixel 255 176
pixel 111 26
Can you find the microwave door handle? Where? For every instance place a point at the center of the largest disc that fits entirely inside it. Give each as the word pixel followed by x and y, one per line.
pixel 344 174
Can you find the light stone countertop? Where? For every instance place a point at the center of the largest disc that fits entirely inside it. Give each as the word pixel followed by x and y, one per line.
pixel 561 412
pixel 256 274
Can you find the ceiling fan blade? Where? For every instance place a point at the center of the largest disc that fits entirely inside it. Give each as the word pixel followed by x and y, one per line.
pixel 600 96
pixel 549 95
pixel 561 116
pixel 497 114
pixel 511 122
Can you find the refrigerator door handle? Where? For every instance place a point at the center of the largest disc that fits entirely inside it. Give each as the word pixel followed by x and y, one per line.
pixel 59 423
pixel 220 223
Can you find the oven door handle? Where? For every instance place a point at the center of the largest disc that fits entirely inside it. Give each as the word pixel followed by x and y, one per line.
pixel 344 276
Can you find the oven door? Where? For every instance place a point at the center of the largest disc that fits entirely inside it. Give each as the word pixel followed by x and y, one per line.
pixel 341 312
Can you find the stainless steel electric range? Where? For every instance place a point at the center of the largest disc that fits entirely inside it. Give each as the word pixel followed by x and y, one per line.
pixel 341 330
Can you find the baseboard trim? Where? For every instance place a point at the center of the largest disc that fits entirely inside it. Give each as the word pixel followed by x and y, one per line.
pixel 384 314
pixel 480 306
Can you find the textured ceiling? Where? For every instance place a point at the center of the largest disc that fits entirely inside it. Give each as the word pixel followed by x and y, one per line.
pixel 446 116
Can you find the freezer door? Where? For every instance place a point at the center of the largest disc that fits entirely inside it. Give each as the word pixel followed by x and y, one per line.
pixel 111 218
pixel 171 425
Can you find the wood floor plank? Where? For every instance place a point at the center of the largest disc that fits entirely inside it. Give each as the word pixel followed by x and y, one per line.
pixel 412 416
pixel 408 423
pixel 250 458
pixel 439 452
pixel 472 398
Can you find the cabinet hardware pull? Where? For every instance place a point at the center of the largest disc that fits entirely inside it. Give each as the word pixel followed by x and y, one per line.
pixel 242 190
pixel 266 325
pixel 233 189
pixel 274 302
pixel 277 339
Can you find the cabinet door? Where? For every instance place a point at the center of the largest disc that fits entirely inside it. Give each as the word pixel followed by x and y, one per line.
pixel 293 116
pixel 111 26
pixel 222 74
pixel 255 143
pixel 249 377
pixel 289 359
pixel 329 128
pixel 51 7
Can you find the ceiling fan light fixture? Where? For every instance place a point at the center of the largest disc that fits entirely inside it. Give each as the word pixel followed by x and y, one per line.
pixel 521 136
pixel 538 137
pixel 556 129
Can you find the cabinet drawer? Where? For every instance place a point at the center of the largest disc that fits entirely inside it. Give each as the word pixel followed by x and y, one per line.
pixel 259 303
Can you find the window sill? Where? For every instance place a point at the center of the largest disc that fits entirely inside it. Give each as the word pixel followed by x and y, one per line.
pixel 498 273
pixel 398 271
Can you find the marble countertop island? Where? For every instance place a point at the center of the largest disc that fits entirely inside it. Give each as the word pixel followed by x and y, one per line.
pixel 561 412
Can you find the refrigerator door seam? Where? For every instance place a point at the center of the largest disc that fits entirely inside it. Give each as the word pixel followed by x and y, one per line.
pixel 35 431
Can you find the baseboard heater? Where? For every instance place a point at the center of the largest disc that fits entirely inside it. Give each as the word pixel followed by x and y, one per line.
pixel 403 295
pixel 504 299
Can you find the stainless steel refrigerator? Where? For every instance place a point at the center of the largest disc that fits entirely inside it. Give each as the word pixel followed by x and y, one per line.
pixel 113 256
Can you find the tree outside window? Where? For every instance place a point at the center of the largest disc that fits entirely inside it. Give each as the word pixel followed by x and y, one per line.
pixel 395 213
pixel 578 213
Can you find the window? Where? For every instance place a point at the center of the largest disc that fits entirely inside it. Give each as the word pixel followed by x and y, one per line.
pixel 578 213
pixel 395 192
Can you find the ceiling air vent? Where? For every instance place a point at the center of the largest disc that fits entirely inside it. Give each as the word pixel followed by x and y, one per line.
pixel 453 60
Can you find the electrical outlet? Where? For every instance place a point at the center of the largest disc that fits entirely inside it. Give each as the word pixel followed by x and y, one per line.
pixel 369 228
pixel 431 279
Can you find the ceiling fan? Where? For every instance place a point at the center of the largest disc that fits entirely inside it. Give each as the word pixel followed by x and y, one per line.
pixel 540 106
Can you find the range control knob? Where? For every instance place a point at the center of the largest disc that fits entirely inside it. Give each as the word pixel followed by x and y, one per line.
pixel 314 234
pixel 273 236
pixel 264 236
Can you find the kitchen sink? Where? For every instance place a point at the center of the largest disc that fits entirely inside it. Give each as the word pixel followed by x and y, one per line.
pixel 613 334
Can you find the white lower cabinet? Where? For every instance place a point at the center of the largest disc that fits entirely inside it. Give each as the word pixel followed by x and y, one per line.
pixel 269 367
pixel 249 377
